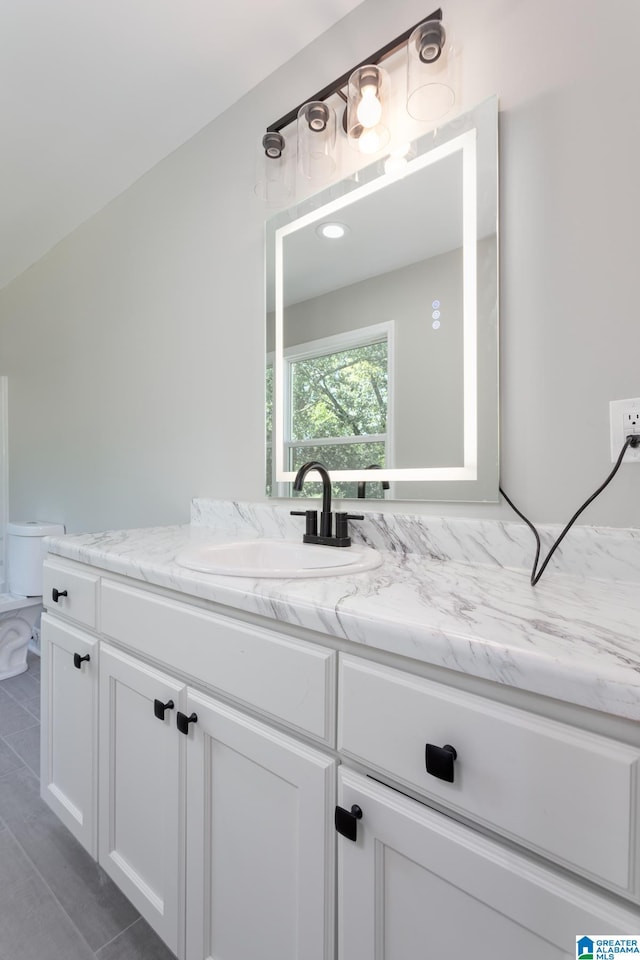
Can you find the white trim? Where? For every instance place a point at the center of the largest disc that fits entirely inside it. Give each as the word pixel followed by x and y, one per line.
pixel 360 337
pixel 336 441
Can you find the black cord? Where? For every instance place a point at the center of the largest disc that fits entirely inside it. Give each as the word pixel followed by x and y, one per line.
pixel 632 441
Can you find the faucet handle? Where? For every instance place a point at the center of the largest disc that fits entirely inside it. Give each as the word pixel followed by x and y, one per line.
pixel 342 522
pixel 311 526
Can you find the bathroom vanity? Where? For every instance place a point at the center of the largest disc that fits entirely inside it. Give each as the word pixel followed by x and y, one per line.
pixel 203 736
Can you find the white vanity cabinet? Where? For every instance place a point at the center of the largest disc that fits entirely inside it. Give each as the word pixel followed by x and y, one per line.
pixel 568 794
pixel 260 840
pixel 225 744
pixel 69 728
pixel 415 883
pixel 215 824
pixel 141 789
pixel 256 811
pixel 69 693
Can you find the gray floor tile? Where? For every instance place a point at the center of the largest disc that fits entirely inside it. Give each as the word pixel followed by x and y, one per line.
pixel 8 759
pixel 139 942
pixel 26 744
pixel 92 901
pixel 33 664
pixel 12 716
pixel 34 926
pixel 33 706
pixel 23 687
pixel 20 797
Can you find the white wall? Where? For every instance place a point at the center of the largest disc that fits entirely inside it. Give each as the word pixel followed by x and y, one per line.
pixel 135 348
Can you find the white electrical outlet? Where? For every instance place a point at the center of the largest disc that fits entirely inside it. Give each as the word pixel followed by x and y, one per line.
pixel 624 418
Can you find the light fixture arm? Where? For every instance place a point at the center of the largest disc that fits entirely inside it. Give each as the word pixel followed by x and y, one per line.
pixel 337 85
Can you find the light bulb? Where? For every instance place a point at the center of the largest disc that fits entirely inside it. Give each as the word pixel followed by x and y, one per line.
pixel 369 110
pixel 397 161
pixel 369 141
pixel 395 166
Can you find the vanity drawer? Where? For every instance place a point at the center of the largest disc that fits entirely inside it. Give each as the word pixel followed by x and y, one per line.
pixel 565 793
pixel 76 592
pixel 286 679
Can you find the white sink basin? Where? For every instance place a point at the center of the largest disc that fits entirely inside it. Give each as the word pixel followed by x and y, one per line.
pixel 276 558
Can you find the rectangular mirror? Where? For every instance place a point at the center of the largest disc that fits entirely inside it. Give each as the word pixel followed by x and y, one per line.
pixel 382 343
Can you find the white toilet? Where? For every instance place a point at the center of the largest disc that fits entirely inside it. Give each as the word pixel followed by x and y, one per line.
pixel 20 609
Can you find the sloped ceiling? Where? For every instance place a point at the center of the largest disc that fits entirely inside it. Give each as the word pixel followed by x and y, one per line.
pixel 93 93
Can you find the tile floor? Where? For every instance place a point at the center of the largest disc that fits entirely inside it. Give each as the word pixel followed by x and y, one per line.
pixel 55 902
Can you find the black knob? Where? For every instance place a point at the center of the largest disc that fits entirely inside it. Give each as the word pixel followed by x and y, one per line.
pixel 78 660
pixel 439 761
pixel 183 721
pixel 342 525
pixel 346 821
pixel 159 708
pixel 56 594
pixel 311 525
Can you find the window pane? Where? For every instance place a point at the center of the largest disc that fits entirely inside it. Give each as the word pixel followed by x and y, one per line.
pixel 341 394
pixel 342 456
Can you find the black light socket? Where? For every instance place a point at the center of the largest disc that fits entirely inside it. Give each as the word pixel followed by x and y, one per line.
pixel 273 143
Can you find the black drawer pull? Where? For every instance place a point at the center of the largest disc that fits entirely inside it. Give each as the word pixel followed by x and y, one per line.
pixel 439 761
pixel 183 721
pixel 346 821
pixel 56 594
pixel 78 660
pixel 159 708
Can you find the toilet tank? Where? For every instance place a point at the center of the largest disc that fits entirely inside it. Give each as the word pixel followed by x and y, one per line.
pixel 25 553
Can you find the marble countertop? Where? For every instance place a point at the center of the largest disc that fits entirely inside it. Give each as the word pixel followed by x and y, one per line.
pixel 572 638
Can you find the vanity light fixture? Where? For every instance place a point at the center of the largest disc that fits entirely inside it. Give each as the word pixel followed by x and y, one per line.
pixel 316 140
pixel 365 121
pixel 430 67
pixel 367 84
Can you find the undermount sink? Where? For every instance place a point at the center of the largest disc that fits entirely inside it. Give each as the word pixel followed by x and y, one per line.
pixel 276 558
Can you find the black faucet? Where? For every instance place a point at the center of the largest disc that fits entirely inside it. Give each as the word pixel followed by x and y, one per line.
pixel 326 520
pixel 326 537
pixel 362 483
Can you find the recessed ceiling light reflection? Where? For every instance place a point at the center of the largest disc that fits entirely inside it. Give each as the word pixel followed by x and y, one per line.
pixel 332 231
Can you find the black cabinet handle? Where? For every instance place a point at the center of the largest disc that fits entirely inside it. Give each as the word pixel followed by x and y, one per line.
pixel 56 594
pixel 439 761
pixel 346 821
pixel 78 660
pixel 159 708
pixel 183 721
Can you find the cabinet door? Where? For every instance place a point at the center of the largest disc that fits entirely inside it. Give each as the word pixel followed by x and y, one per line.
pixel 260 841
pixel 68 732
pixel 140 789
pixel 417 884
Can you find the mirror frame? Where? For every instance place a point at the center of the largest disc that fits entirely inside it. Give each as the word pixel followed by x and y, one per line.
pixel 474 134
